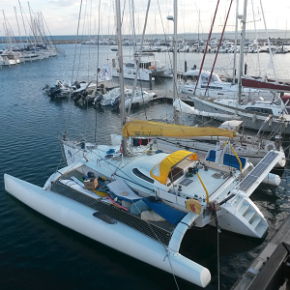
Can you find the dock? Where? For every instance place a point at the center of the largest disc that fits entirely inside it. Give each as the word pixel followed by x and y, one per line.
pixel 271 268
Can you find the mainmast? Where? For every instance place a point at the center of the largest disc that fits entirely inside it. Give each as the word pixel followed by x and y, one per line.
pixel 121 74
pixel 242 48
pixel 133 26
pixel 236 37
pixel 175 114
pixel 20 39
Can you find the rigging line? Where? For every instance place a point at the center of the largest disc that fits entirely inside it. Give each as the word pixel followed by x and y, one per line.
pixel 207 43
pixel 50 39
pixel 74 62
pixel 218 249
pixel 90 33
pixel 170 61
pixel 76 40
pixel 98 47
pixel 28 37
pixel 123 15
pixel 50 160
pixel 220 42
pixel 82 38
pixel 137 61
pixel 98 59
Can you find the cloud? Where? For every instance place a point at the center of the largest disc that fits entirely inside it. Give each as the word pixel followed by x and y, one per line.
pixel 64 3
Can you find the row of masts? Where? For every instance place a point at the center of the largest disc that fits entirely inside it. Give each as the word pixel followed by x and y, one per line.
pixel 35 34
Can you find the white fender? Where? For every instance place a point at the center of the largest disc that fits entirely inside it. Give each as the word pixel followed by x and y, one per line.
pixel 272 179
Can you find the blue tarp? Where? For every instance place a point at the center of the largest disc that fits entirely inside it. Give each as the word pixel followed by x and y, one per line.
pixel 172 215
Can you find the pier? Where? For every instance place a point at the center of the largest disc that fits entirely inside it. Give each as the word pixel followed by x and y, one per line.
pixel 270 270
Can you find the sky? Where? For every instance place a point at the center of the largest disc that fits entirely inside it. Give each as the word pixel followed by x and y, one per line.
pixel 61 16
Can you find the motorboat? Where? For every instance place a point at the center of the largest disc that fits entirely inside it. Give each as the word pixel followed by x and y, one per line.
pixel 149 69
pixel 5 61
pixel 107 98
pixel 11 55
pixel 60 89
pixel 140 97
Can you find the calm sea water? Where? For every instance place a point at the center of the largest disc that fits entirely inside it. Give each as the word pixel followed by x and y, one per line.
pixel 37 253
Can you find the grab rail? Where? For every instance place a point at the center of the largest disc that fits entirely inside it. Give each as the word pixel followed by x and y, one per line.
pixel 207 196
pixel 238 158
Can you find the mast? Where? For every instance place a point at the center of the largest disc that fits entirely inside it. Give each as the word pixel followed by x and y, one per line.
pixel 258 54
pixel 20 8
pixel 6 30
pixel 133 26
pixel 242 47
pixel 236 37
pixel 18 25
pixel 198 26
pixel 138 59
pixel 269 44
pixel 175 114
pixel 208 40
pixel 32 25
pixel 121 74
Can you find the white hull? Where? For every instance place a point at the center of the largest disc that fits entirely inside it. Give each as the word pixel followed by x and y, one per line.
pixel 226 91
pixel 117 236
pixel 7 62
pixel 248 120
pixel 139 100
pixel 32 57
pixel 143 74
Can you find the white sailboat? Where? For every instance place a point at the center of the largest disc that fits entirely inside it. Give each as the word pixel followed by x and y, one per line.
pixel 254 111
pixel 172 185
pixel 218 89
pixel 253 147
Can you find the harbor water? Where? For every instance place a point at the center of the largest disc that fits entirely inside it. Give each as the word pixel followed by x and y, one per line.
pixel 37 253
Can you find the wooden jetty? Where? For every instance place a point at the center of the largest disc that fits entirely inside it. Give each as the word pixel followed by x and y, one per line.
pixel 271 268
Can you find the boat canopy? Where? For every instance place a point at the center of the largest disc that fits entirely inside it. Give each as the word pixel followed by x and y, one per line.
pixel 141 128
pixel 161 170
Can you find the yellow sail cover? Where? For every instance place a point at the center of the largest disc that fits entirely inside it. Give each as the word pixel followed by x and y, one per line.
pixel 168 163
pixel 141 128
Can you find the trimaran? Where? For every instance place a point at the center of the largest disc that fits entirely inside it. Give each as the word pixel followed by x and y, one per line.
pixel 145 199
